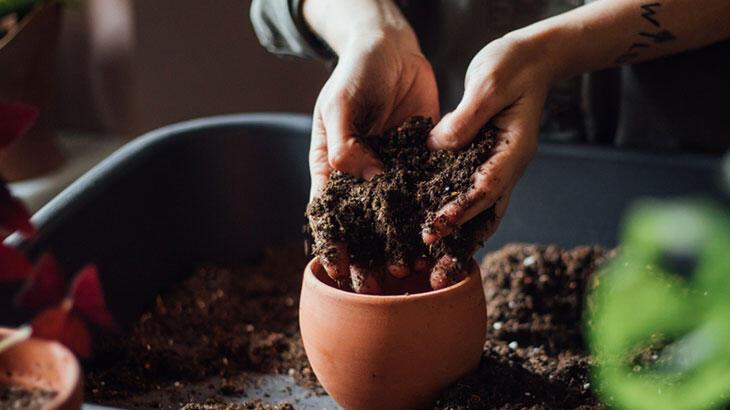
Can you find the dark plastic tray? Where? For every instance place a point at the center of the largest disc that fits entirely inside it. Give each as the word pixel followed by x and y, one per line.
pixel 221 189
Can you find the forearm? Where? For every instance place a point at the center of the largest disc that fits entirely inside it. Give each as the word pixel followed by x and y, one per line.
pixel 341 23
pixel 607 33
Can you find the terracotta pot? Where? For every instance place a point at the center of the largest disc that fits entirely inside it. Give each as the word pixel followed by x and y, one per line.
pixel 43 364
pixel 391 352
pixel 27 70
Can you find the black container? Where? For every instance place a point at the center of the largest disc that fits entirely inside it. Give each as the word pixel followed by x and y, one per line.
pixel 221 189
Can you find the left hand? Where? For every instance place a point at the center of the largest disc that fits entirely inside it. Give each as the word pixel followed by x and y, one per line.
pixel 506 82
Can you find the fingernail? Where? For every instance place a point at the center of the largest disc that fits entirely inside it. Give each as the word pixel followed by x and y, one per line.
pixel 429 237
pixel 439 228
pixel 398 270
pixel 439 280
pixel 363 281
pixel 335 270
pixel 432 143
pixel 370 172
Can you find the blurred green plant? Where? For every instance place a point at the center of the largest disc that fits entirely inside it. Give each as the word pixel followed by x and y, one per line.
pixel 659 314
pixel 726 173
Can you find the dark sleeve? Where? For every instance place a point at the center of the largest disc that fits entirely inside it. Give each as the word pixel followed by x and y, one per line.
pixel 280 28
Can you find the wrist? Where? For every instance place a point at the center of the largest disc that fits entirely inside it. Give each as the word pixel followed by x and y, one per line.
pixel 546 44
pixel 345 26
pixel 400 40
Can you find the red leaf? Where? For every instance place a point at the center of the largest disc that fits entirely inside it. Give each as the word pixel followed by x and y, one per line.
pixel 45 287
pixel 62 325
pixel 88 298
pixel 15 120
pixel 13 215
pixel 13 264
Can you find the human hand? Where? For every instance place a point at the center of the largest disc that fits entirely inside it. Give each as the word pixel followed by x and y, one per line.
pixel 380 81
pixel 506 83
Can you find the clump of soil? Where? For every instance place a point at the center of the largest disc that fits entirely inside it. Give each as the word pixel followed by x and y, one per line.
pixel 16 397
pixel 215 325
pixel 535 355
pixel 380 221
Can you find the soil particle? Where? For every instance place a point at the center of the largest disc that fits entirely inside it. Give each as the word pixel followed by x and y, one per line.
pixel 15 397
pixel 535 356
pixel 381 220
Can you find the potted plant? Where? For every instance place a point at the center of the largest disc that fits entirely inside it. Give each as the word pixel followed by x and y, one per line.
pixel 29 31
pixel 35 367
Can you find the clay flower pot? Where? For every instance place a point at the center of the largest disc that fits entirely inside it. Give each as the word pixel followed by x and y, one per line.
pixel 42 364
pixel 27 70
pixel 391 352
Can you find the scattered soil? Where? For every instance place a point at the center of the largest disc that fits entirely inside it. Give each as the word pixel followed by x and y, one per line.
pixel 246 405
pixel 380 221
pixel 15 397
pixel 222 322
pixel 535 356
pixel 214 326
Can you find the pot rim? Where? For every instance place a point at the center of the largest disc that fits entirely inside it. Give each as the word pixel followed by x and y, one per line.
pixel 310 279
pixel 66 393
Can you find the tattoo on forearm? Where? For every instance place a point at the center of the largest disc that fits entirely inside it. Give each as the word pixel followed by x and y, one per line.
pixel 647 38
pixel 660 36
pixel 649 12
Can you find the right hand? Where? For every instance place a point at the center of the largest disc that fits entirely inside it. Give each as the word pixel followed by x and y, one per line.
pixel 380 81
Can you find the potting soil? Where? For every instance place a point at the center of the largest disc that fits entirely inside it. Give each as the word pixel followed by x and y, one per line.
pixel 222 322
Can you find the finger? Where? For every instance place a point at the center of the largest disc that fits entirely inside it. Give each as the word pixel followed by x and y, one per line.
pixel 491 180
pixel 336 261
pixel 422 264
pixel 364 281
pixel 444 273
pixel 459 127
pixel 345 152
pixel 399 269
pixel 500 209
pixel 441 225
pixel 319 168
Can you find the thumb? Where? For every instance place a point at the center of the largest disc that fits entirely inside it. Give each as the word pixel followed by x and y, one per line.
pixel 459 127
pixel 345 152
